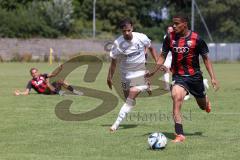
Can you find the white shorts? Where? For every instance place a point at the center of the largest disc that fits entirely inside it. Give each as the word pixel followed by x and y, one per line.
pixel 135 79
pixel 142 88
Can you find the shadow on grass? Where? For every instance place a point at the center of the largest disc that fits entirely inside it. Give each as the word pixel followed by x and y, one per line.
pixel 172 136
pixel 122 126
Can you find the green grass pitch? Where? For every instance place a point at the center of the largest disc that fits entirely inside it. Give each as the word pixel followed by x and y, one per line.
pixel 30 130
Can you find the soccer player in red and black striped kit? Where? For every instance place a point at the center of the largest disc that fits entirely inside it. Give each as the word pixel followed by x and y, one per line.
pixel 40 83
pixel 186 46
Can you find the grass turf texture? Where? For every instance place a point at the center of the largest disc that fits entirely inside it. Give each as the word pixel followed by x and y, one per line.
pixel 30 129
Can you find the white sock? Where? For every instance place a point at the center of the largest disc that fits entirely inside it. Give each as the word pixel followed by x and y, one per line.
pixel 166 77
pixel 77 92
pixel 126 108
pixel 205 82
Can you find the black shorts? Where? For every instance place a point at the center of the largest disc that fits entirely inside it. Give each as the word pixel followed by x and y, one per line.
pixel 192 84
pixel 57 86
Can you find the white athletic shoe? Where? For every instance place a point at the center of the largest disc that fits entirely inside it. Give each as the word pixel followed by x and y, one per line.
pixel 113 128
pixel 61 93
pixel 187 97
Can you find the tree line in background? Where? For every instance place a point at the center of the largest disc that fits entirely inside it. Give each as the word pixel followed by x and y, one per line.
pixel 73 18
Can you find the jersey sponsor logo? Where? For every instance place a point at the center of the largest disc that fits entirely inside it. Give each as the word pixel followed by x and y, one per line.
pixel 181 49
pixel 189 43
pixel 133 54
pixel 126 45
pixel 38 82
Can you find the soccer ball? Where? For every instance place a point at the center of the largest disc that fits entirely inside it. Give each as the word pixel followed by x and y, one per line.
pixel 157 141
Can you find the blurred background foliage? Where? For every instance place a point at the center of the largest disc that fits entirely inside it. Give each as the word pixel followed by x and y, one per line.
pixel 73 18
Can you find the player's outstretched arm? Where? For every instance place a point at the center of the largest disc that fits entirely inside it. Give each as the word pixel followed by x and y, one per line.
pixel 18 93
pixel 111 72
pixel 55 73
pixel 210 70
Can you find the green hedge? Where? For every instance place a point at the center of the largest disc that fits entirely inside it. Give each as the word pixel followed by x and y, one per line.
pixel 23 23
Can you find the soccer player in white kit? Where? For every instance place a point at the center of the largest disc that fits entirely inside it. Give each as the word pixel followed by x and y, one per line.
pixel 129 49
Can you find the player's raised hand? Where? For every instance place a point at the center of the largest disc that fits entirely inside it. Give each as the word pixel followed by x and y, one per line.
pixel 215 84
pixel 16 92
pixel 109 83
pixel 60 66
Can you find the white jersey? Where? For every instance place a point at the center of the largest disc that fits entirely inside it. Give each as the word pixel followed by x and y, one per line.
pixel 131 54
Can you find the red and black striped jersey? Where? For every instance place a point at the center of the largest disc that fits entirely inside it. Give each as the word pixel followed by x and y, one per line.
pixel 185 52
pixel 39 84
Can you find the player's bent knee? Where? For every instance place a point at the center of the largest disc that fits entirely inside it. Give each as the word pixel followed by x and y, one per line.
pixel 65 83
pixel 178 93
pixel 60 81
pixel 177 97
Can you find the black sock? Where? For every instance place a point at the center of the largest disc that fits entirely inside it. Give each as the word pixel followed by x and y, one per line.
pixel 178 128
pixel 56 90
pixel 70 88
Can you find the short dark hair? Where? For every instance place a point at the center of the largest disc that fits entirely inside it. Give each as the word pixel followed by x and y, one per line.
pixel 33 69
pixel 124 22
pixel 182 16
